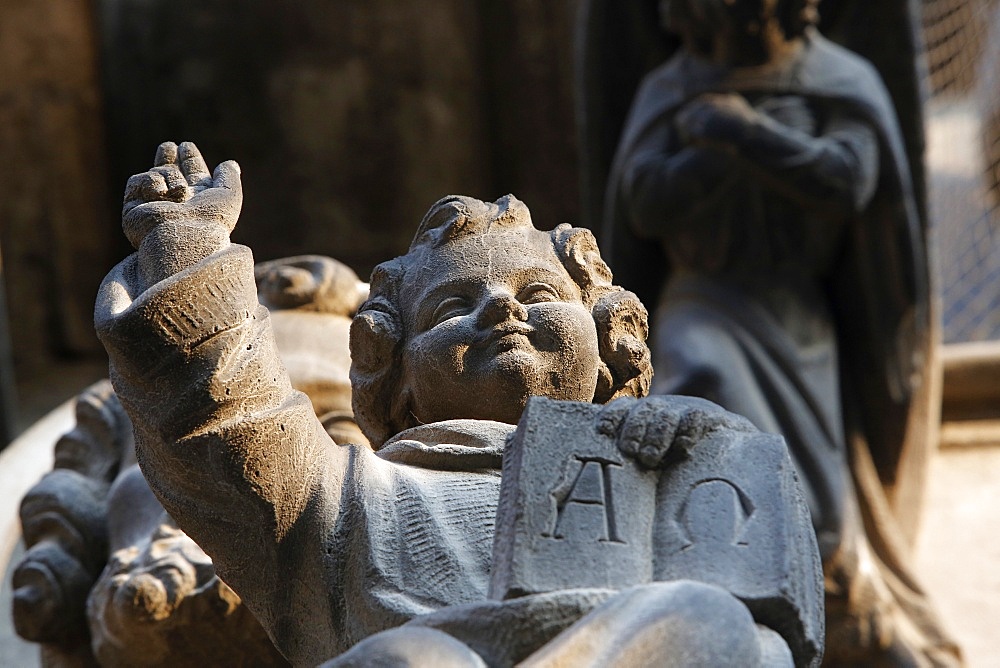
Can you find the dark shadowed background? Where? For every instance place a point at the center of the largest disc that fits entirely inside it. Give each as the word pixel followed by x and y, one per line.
pixel 348 117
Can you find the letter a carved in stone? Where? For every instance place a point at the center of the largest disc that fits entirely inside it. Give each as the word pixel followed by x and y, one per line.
pixel 588 501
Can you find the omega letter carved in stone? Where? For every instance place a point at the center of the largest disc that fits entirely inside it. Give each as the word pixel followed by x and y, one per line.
pixel 724 501
pixel 590 489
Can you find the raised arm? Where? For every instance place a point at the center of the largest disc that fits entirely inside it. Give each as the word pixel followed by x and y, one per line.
pixel 235 455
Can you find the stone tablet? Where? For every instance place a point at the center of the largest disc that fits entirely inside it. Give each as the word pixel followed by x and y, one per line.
pixel 732 514
pixel 575 512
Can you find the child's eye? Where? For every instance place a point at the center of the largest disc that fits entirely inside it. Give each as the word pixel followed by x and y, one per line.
pixel 535 293
pixel 449 308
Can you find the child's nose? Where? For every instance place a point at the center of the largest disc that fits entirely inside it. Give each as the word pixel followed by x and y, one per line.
pixel 500 306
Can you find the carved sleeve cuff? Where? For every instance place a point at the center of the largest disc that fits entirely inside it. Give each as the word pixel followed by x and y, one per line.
pixel 181 311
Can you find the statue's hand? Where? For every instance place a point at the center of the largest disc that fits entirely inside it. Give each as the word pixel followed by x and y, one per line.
pixel 180 189
pixel 791 111
pixel 649 429
pixel 715 118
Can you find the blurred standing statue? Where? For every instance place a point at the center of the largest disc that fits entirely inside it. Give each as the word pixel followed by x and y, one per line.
pixel 761 194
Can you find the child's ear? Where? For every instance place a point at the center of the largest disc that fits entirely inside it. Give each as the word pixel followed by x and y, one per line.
pixel 376 337
pixel 376 347
pixel 622 327
pixel 401 410
pixel 577 248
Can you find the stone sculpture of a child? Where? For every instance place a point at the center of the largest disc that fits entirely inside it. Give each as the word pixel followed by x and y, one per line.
pixel 333 545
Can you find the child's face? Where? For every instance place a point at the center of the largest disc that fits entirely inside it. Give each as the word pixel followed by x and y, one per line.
pixel 492 319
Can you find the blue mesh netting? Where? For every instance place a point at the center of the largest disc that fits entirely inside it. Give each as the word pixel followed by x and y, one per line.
pixel 962 39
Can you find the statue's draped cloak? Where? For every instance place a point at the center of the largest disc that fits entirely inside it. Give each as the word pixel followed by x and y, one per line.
pixel 873 297
pixel 878 281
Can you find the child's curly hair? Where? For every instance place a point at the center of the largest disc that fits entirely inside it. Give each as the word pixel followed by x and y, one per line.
pixel 378 332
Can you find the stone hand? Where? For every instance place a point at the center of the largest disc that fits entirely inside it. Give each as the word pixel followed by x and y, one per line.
pixel 180 189
pixel 715 118
pixel 649 429
pixel 790 111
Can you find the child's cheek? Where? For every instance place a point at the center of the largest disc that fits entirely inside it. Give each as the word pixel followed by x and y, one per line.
pixel 565 328
pixel 445 345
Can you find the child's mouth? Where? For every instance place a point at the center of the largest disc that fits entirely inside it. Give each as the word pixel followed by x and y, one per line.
pixel 508 336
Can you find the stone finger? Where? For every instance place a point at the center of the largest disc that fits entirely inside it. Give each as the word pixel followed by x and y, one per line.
pixel 611 417
pixel 633 432
pixel 135 188
pixel 193 165
pixel 227 175
pixel 692 427
pixel 166 154
pixel 659 437
pixel 152 187
pixel 177 185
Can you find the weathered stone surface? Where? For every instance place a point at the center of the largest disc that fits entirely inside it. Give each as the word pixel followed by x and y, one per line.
pixel 109 577
pixel 311 299
pixel 408 647
pixel 64 529
pixel 681 624
pixel 732 514
pixel 483 312
pixel 574 511
pixel 158 601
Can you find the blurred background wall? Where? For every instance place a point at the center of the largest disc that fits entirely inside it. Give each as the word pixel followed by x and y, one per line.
pixel 348 117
